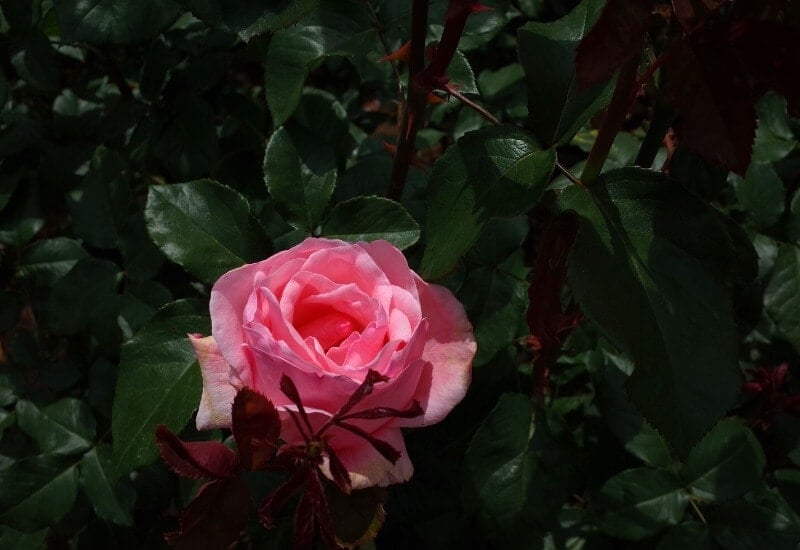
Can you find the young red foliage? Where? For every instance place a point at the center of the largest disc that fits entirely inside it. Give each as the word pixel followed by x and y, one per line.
pixel 616 38
pixel 256 428
pixel 214 518
pixel 198 459
pixel 546 319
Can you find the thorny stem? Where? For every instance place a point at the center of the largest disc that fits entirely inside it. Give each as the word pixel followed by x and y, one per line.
pixel 615 116
pixel 415 101
pixel 472 105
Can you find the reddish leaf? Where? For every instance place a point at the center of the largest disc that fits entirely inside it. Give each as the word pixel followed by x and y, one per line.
pixel 770 53
pixel 616 38
pixel 691 13
pixel 387 451
pixel 713 98
pixel 196 459
pixel 321 510
pixel 271 505
pixel 340 475
pixel 290 390
pixel 303 537
pixel 214 518
pixel 413 411
pixel 366 387
pixel 256 428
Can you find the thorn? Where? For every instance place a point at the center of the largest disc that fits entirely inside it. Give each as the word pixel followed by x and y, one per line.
pixel 433 99
pixel 403 53
pixel 479 8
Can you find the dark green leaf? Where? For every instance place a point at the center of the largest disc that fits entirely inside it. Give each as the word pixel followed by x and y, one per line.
pixel 519 471
pixel 22 218
pixel 794 219
pixel 66 427
pixel 188 147
pixel 761 195
pixel 622 418
pixel 112 499
pixel 335 27
pixel 461 75
pixel 697 174
pixel 11 539
pixel 496 299
pixel 762 520
pixel 204 227
pixel 38 64
pixel 370 219
pixel 556 109
pixel 86 294
pixel 774 137
pixel 687 535
pixel 47 261
pixel 492 172
pixel 782 295
pixel 727 463
pixel 109 21
pixel 159 382
pixel 99 206
pixel 652 267
pixel 37 492
pixel 641 502
pixel 300 195
pixel 249 18
pixel 141 258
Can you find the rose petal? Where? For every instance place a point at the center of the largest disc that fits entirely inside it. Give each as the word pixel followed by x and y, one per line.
pixel 449 349
pixel 218 393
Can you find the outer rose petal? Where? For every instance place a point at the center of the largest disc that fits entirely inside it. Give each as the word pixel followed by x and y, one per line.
pixel 218 393
pixel 449 350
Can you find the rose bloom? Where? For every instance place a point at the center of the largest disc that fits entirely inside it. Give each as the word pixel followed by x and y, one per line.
pixel 324 313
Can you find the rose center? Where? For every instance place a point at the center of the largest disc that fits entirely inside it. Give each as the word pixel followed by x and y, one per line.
pixel 329 328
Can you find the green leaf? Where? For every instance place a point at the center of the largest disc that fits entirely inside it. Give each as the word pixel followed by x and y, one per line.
pixel 66 427
pixel 727 463
pixel 22 218
pixel 204 227
pixel 112 500
pixel 109 21
pixel 497 171
pixel 761 520
pixel 84 296
pixel 641 502
pixel 496 298
pixel 636 435
pixel 782 295
pixel 47 261
pixel 761 195
pixel 99 206
pixel 37 63
pixel 794 220
pixel 249 18
pixel 11 539
pixel 335 27
pixel 300 195
pixel 159 382
pixel 189 147
pixel 460 74
pixel 652 266
pixel 556 108
pixel 37 492
pixel 370 219
pixel 141 257
pixel 774 137
pixel 687 535
pixel 518 471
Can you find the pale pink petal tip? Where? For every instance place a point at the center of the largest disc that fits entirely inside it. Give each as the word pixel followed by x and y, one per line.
pixel 218 393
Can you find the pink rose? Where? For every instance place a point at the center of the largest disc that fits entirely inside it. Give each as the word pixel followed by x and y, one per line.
pixel 325 313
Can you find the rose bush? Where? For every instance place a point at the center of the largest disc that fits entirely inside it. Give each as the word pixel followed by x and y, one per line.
pixel 324 313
